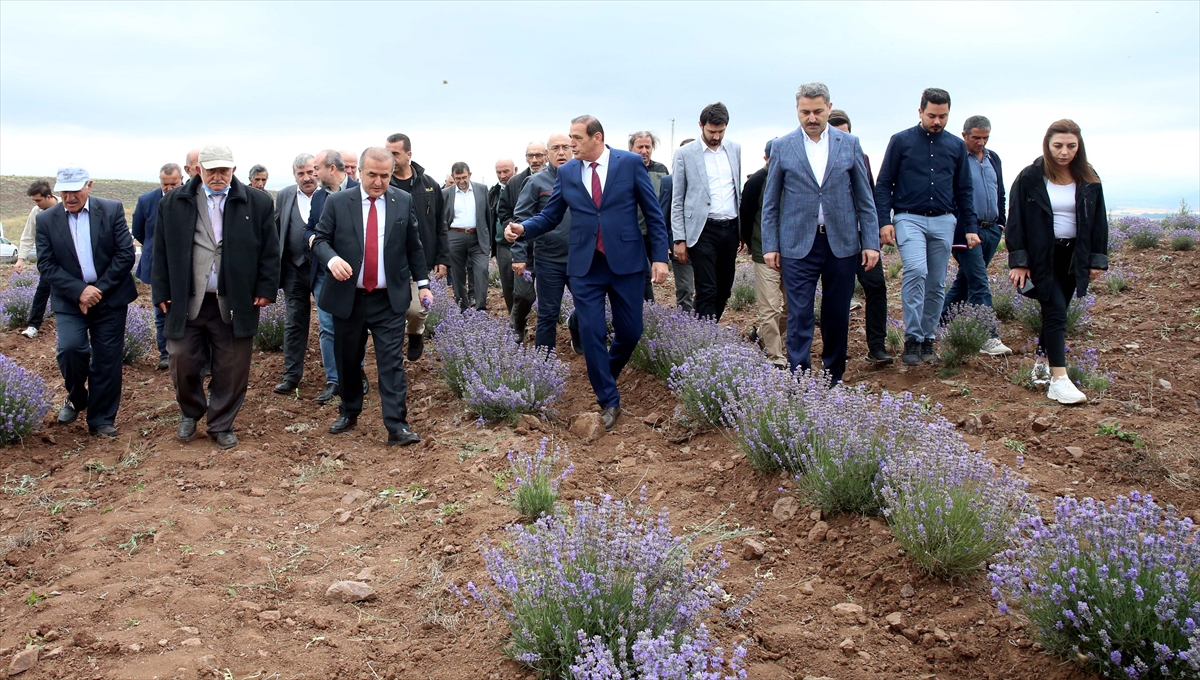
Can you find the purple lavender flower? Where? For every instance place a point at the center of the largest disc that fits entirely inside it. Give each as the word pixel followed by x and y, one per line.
pixel 1029 313
pixel 271 322
pixel 743 296
pixel 671 335
pixel 24 401
pixel 16 300
pixel 1083 367
pixel 1139 232
pixel 1118 278
pixel 663 657
pixel 713 377
pixel 443 305
pixel 1183 220
pixel 534 485
pixel 966 329
pixel 28 278
pixel 139 333
pixel 1184 239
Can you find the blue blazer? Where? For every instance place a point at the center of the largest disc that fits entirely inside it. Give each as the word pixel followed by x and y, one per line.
pixel 791 197
pixel 314 216
pixel 145 214
pixel 112 255
pixel 626 188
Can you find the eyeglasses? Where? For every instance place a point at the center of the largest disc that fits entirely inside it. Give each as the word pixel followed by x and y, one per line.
pixel 560 147
pixel 535 155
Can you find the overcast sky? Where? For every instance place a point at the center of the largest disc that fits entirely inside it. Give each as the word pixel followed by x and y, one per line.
pixel 123 88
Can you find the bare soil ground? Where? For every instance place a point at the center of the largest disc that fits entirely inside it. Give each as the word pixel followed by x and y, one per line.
pixel 144 557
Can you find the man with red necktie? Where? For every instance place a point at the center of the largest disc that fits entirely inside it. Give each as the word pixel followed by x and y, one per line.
pixel 606 254
pixel 368 239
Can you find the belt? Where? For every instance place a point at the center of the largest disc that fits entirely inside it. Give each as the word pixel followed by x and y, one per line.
pixel 721 220
pixel 465 231
pixel 1064 242
pixel 986 225
pixel 364 292
pixel 820 228
pixel 923 213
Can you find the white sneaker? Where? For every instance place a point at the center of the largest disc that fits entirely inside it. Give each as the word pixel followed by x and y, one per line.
pixel 855 304
pixel 30 332
pixel 994 348
pixel 1064 391
pixel 1041 373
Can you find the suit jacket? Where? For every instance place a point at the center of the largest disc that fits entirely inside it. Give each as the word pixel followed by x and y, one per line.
pixel 690 200
pixel 145 215
pixel 249 255
pixel 285 205
pixel 626 189
pixel 483 215
pixel 340 233
pixel 112 256
pixel 791 198
pixel 506 207
pixel 314 216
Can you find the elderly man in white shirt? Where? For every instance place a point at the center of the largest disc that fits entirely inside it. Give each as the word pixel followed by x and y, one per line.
pixel 470 222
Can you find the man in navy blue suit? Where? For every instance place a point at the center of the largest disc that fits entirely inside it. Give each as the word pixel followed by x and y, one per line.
pixel 145 214
pixel 606 254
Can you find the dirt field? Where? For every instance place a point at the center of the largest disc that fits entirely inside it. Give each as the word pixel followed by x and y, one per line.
pixel 147 558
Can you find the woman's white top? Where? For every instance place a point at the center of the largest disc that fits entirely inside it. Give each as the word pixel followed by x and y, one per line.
pixel 1062 202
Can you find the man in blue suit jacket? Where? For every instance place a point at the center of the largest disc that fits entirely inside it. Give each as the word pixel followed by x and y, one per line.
pixel 606 255
pixel 85 251
pixel 145 214
pixel 817 222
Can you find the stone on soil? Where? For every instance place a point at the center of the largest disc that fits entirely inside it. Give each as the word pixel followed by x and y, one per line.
pixel 24 660
pixel 349 591
pixel 785 508
pixel 587 426
pixel 753 549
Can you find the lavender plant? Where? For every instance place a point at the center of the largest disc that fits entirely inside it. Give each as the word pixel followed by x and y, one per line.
pixel 948 506
pixel 1184 219
pixel 139 333
pixel 15 303
pixel 1083 367
pixel 1140 232
pixel 663 657
pixel 271 322
pixel 24 401
pixel 1114 586
pixel 742 296
pixel 966 329
pixel 1004 296
pixel 1029 313
pixel 534 486
pixel 443 305
pixel 27 278
pixel 1184 239
pixel 712 377
pixel 766 418
pixel 894 340
pixel 1118 278
pixel 670 336
pixel 607 570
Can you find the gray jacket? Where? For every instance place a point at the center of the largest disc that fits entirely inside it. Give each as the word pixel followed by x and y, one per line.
pixel 690 200
pixel 483 213
pixel 551 246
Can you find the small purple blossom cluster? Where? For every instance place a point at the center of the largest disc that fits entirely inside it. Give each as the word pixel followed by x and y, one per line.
pixel 1083 367
pixel 534 485
pixel 443 305
pixel 607 570
pixel 663 657
pixel 1004 294
pixel 16 300
pixel 271 321
pixel 1182 220
pixel 742 296
pixel 1114 586
pixel 1184 239
pixel 965 330
pixel 767 418
pixel 1029 313
pixel 497 377
pixel 894 339
pixel 712 378
pixel 24 401
pixel 139 333
pixel 671 335
pixel 1118 278
pixel 27 278
pixel 1139 232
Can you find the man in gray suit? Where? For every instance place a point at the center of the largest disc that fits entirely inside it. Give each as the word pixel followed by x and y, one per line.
pixel 818 221
pixel 704 210
pixel 470 236
pixel 292 209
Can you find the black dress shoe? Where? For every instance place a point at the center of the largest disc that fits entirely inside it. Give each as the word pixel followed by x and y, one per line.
pixel 286 387
pixel 609 416
pixel 68 414
pixel 879 357
pixel 366 386
pixel 106 430
pixel 163 364
pixel 416 346
pixel 327 396
pixel 342 424
pixel 224 440
pixel 576 342
pixel 186 429
pixel 405 437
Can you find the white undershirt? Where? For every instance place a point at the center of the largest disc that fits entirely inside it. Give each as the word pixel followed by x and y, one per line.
pixel 464 209
pixel 304 203
pixel 720 183
pixel 601 168
pixel 818 159
pixel 381 217
pixel 1062 202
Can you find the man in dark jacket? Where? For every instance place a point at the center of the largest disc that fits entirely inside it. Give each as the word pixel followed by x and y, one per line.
pixel 426 193
pixel 505 169
pixel 768 283
pixel 144 215
pixel 216 262
pixel 519 293
pixel 85 252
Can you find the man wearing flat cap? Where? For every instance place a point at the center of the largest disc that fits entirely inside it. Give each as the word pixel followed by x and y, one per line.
pixel 85 251
pixel 216 262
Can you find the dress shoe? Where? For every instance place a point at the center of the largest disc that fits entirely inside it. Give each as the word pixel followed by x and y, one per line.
pixel 286 387
pixel 224 440
pixel 366 386
pixel 928 355
pixel 912 352
pixel 328 395
pixel 186 429
pixel 405 437
pixel 609 416
pixel 163 364
pixel 416 346
pixel 106 430
pixel 68 414
pixel 879 357
pixel 342 424
pixel 576 342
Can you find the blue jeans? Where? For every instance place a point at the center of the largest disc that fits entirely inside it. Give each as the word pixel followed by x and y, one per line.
pixel 551 280
pixel 325 321
pixel 925 249
pixel 971 284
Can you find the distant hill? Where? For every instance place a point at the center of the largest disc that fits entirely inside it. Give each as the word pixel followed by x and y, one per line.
pixel 15 205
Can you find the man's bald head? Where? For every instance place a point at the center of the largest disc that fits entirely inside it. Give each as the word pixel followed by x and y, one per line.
pixel 505 169
pixel 559 149
pixel 192 164
pixel 351 160
pixel 535 156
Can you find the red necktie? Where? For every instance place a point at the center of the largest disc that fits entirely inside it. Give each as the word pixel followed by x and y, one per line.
pixel 597 197
pixel 371 256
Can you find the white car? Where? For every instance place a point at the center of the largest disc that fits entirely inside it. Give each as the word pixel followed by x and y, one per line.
pixel 8 250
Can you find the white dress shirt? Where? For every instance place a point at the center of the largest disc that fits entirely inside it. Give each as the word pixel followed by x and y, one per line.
pixel 81 234
pixel 818 159
pixel 601 168
pixel 720 183
pixel 381 217
pixel 464 209
pixel 304 203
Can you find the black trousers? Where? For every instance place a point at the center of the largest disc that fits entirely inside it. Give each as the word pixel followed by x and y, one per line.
pixel 37 313
pixel 373 312
pixel 875 289
pixel 296 289
pixel 504 264
pixel 187 357
pixel 89 353
pixel 1053 338
pixel 714 261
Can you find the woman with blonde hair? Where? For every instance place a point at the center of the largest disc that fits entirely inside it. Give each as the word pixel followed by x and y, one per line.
pixel 1057 238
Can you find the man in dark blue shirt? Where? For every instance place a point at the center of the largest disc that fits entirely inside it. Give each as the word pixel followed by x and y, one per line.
pixel 923 190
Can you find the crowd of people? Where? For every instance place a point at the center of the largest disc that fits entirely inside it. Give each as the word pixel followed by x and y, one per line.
pixel 363 234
